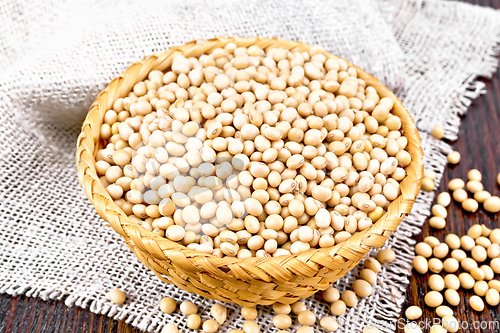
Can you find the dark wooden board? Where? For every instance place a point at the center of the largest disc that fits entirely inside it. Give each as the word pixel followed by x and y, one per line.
pixel 479 145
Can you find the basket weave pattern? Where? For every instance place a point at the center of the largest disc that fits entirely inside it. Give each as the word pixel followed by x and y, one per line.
pixel 244 281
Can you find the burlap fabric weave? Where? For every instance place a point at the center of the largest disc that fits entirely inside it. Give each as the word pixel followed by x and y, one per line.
pixel 55 56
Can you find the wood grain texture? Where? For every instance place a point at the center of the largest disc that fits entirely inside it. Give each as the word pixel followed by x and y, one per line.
pixel 25 314
pixel 479 146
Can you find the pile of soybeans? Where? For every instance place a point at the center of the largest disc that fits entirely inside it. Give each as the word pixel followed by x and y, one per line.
pixel 244 152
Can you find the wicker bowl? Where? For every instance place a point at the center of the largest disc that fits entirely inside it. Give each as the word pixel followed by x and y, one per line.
pixel 244 281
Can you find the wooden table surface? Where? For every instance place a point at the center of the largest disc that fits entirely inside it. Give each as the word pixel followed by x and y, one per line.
pixel 479 146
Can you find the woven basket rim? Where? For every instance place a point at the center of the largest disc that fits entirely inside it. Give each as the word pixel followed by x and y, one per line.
pixel 130 230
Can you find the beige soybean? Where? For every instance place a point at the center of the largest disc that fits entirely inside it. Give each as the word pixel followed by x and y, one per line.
pixel 493 251
pixel 444 310
pixel 451 281
pixel 479 253
pixel 433 299
pixel 251 326
pixel 412 327
pixel 486 231
pixel 349 298
pixel 467 242
pixel 488 272
pixel 427 184
pixel 432 241
pixel 282 308
pixel 468 264
pixel 476 303
pixel 116 296
pixel 441 251
pixel 474 174
pixel 330 295
pixel 249 313
pixel 451 265
pixel 386 256
pixel 282 321
pixel 420 264
pixel 329 324
pixel 458 254
pixel 470 205
pixel 373 264
pixel 299 307
pixel 437 222
pixel 456 184
pixel 444 199
pixel 481 288
pixel 481 196
pixel 436 328
pixel 368 275
pixel 305 329
pixel 492 204
pixel 306 318
pixel 439 211
pixel 413 312
pixel 429 174
pixel 453 157
pixel 452 297
pixel 338 308
pixel 423 249
pixel 370 329
pixel 170 328
pixel 477 273
pixel 167 305
pixel 494 284
pixel 436 282
pixel 193 321
pixel 474 186
pixel 188 308
pixel 460 195
pixel 210 326
pixel 362 288
pixel 495 236
pixel 450 323
pixel 483 241
pixel 437 132
pixel 453 241
pixel 435 265
pixel 466 280
pixel 219 313
pixel 492 297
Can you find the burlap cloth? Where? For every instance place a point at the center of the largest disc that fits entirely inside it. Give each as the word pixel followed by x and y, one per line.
pixel 55 56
